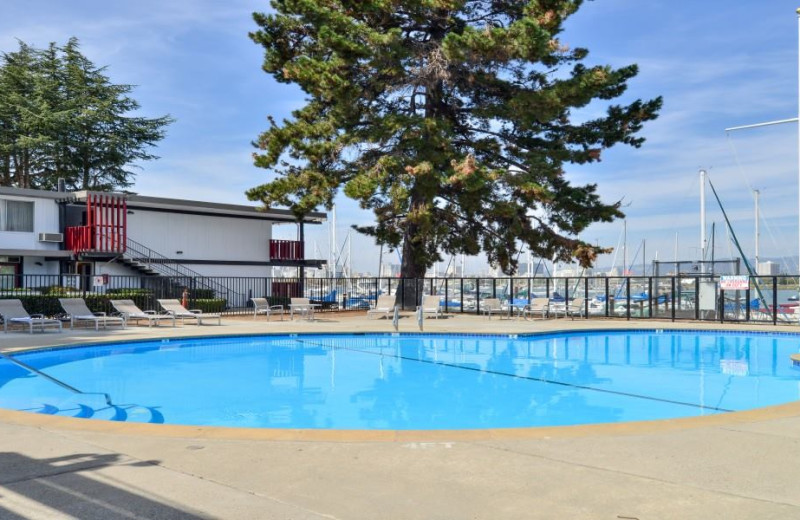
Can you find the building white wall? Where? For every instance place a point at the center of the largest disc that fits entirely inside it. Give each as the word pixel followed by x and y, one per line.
pixel 234 271
pixel 45 220
pixel 201 237
pixel 768 268
pixel 33 265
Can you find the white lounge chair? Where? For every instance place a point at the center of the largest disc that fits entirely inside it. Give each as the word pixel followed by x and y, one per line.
pixel 575 307
pixel 431 304
pixel 13 312
pixel 262 306
pixel 130 311
pixel 538 306
pixel 302 306
pixel 384 306
pixel 175 308
pixel 491 306
pixel 78 311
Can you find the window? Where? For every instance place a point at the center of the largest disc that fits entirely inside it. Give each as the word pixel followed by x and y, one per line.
pixel 16 215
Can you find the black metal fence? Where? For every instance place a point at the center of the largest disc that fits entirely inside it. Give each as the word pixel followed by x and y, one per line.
pixel 691 297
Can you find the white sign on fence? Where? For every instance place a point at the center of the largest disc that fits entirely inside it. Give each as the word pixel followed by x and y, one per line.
pixel 734 282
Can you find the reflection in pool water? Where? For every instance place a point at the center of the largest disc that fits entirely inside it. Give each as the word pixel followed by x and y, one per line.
pixel 410 381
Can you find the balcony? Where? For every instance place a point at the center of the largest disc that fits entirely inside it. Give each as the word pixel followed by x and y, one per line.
pixel 105 229
pixel 95 239
pixel 286 250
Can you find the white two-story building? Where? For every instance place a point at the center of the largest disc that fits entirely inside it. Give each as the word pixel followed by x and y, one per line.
pixel 91 233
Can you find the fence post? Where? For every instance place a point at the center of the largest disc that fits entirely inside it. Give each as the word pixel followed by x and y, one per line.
pixel 697 298
pixel 747 303
pixel 628 298
pixel 586 298
pixel 462 293
pixel 672 298
pixel 775 300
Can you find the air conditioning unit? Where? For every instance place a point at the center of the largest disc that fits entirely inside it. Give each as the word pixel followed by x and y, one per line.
pixel 51 237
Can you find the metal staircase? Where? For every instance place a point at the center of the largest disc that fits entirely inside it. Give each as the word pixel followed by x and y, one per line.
pixel 152 263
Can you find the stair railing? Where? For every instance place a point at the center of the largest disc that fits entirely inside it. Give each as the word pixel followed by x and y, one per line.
pixel 52 379
pixel 168 267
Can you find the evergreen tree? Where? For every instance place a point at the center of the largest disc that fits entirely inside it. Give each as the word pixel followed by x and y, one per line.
pixel 452 120
pixel 61 117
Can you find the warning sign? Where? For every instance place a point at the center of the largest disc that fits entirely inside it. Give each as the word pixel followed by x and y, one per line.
pixel 734 282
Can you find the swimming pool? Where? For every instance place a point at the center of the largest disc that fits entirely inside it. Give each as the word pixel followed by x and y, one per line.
pixel 408 381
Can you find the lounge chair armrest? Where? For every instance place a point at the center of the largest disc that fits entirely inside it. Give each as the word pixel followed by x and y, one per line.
pixel 196 311
pixel 38 316
pixel 150 312
pixel 101 314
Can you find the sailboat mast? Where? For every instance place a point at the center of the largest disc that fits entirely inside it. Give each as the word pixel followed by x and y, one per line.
pixel 334 258
pixel 624 246
pixel 756 194
pixel 702 216
pixel 676 250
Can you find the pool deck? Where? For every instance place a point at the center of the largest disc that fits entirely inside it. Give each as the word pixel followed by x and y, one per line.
pixel 743 465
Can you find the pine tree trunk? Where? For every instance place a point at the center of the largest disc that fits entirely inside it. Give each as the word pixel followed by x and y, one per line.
pixel 412 267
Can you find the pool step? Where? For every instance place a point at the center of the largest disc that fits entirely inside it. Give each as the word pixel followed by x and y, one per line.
pixel 117 413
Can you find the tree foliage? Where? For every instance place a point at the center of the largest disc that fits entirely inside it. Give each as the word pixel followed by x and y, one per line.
pixel 452 120
pixel 61 117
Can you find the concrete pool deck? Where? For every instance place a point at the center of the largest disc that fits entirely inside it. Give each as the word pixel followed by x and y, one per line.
pixel 742 465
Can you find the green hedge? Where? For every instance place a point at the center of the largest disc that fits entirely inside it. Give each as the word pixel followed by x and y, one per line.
pixel 125 293
pixel 202 294
pixel 49 305
pixel 209 304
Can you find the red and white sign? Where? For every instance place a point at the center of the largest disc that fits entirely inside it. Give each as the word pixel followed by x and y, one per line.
pixel 734 282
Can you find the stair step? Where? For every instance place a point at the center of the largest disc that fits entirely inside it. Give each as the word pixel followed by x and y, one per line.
pixel 48 409
pixel 145 414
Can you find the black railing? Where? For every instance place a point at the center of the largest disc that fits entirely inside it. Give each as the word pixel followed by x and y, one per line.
pixel 631 298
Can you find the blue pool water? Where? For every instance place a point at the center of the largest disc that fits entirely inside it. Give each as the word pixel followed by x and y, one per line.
pixel 410 381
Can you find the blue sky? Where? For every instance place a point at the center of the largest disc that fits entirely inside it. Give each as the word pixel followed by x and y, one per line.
pixel 717 64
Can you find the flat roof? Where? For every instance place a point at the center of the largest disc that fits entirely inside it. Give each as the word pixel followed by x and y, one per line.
pixel 162 203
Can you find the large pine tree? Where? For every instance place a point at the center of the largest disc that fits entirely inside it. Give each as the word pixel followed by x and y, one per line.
pixel 62 117
pixel 452 120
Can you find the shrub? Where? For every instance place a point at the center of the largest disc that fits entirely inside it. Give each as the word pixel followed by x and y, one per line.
pixel 202 294
pixel 127 293
pixel 209 304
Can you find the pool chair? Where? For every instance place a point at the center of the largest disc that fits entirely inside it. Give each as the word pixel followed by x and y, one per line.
pixel 491 306
pixel 574 308
pixel 78 311
pixel 537 307
pixel 262 306
pixel 175 308
pixel 13 312
pixel 303 307
pixel 130 311
pixel 431 305
pixel 384 306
